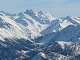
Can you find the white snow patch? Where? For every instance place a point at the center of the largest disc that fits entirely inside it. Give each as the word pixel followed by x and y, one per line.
pixel 62 43
pixel 43 55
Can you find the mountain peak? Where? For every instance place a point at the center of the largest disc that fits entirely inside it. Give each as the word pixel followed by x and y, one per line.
pixel 32 25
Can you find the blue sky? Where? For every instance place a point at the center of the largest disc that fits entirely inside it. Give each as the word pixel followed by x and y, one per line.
pixel 55 7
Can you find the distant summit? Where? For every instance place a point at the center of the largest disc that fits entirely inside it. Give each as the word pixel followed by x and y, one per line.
pixel 31 24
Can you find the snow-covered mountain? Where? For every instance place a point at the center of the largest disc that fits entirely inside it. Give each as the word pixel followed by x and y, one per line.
pixel 23 25
pixel 30 24
pixel 34 35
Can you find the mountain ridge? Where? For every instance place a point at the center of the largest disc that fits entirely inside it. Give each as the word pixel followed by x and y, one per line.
pixel 34 24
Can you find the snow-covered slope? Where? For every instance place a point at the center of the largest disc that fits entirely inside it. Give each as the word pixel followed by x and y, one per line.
pixel 34 35
pixel 30 24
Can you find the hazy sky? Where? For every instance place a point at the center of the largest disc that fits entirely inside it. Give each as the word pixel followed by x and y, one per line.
pixel 56 7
